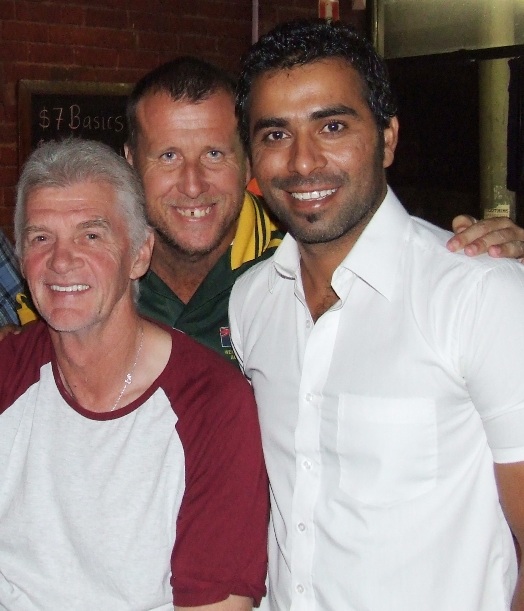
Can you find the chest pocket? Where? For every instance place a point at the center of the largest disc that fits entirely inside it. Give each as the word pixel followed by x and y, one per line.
pixel 387 448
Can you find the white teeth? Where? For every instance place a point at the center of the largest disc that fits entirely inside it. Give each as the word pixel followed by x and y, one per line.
pixel 194 212
pixel 313 194
pixel 69 289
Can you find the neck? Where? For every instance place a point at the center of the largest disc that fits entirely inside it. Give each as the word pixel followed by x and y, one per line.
pixel 183 273
pixel 318 262
pixel 94 366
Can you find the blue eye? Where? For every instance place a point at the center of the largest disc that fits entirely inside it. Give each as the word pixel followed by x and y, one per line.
pixel 215 154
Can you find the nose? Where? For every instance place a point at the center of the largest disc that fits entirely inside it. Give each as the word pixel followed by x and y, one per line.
pixel 305 155
pixel 64 257
pixel 192 181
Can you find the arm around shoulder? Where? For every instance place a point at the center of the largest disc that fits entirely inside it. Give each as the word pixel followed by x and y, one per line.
pixel 499 237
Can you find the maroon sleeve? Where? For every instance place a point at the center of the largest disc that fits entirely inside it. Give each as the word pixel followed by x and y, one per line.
pixel 221 539
pixel 21 357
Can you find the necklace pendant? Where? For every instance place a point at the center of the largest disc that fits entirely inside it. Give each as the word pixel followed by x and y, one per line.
pixel 129 378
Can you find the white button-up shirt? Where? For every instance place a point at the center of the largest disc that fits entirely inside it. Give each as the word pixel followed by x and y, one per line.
pixel 381 421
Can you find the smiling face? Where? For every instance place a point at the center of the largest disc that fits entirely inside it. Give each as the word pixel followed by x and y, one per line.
pixel 194 171
pixel 317 153
pixel 76 255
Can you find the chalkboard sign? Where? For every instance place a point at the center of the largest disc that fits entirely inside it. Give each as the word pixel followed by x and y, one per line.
pixel 49 110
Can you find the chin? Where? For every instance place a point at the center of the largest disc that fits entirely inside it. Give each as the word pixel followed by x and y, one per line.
pixel 67 323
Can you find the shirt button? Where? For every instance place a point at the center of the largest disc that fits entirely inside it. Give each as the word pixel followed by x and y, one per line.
pixel 309 397
pixel 301 527
pixel 300 588
pixel 307 465
pixel 308 324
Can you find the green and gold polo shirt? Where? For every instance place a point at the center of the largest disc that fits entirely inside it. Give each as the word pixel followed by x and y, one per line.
pixel 205 316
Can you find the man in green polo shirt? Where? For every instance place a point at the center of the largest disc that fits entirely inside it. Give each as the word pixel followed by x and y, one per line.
pixel 183 141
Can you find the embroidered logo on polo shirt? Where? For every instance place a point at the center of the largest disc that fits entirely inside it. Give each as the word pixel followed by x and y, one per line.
pixel 225 339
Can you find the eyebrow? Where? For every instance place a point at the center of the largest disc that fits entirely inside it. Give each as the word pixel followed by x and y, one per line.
pixel 323 113
pixel 331 111
pixel 102 223
pixel 33 229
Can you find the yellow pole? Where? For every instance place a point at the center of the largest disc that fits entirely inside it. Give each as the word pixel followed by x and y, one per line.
pixel 498 25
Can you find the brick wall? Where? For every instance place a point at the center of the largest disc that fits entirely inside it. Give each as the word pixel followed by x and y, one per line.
pixel 114 41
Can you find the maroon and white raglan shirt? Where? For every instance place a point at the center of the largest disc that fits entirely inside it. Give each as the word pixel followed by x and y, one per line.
pixel 161 502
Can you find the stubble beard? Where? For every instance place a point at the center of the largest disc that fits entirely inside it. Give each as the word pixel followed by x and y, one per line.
pixel 316 229
pixel 185 251
pixel 361 206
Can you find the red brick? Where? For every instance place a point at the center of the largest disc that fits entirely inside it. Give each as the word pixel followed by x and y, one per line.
pixel 138 59
pixel 37 12
pixel 11 111
pixel 104 18
pixel 173 22
pixel 129 75
pixel 14 72
pixel 153 41
pixel 8 133
pixel 13 51
pixel 86 56
pixel 148 21
pixel 7 9
pixel 8 175
pixel 236 30
pixel 154 6
pixel 198 45
pixel 24 30
pixel 50 54
pixel 103 38
pixel 113 4
pixel 8 155
pixel 7 212
pixel 60 12
pixel 9 197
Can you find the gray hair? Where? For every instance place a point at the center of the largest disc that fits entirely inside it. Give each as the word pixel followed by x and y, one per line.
pixel 68 162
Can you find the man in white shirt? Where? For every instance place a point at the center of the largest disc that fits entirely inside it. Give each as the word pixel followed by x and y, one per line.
pixel 387 371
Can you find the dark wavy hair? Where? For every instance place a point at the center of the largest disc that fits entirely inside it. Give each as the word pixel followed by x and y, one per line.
pixel 305 41
pixel 183 78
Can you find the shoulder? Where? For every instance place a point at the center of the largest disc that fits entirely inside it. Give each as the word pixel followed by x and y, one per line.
pixel 458 292
pixel 255 278
pixel 428 243
pixel 196 375
pixel 22 357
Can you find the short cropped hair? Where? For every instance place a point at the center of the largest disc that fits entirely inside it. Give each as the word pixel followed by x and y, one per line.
pixel 71 161
pixel 300 42
pixel 184 78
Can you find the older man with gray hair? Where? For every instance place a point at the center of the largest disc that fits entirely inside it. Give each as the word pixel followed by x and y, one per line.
pixel 131 470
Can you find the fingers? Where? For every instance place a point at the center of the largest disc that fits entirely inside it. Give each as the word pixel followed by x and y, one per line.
pixel 499 237
pixel 511 250
pixel 462 222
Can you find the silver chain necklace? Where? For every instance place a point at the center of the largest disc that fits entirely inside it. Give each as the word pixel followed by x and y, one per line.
pixel 129 376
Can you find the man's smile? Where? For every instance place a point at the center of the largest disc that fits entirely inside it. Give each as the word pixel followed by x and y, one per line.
pixel 309 195
pixel 71 288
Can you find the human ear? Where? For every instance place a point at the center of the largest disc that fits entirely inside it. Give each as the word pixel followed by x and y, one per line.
pixel 390 142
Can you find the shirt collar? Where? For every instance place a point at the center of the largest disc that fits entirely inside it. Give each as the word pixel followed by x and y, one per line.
pixel 374 258
pixel 376 255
